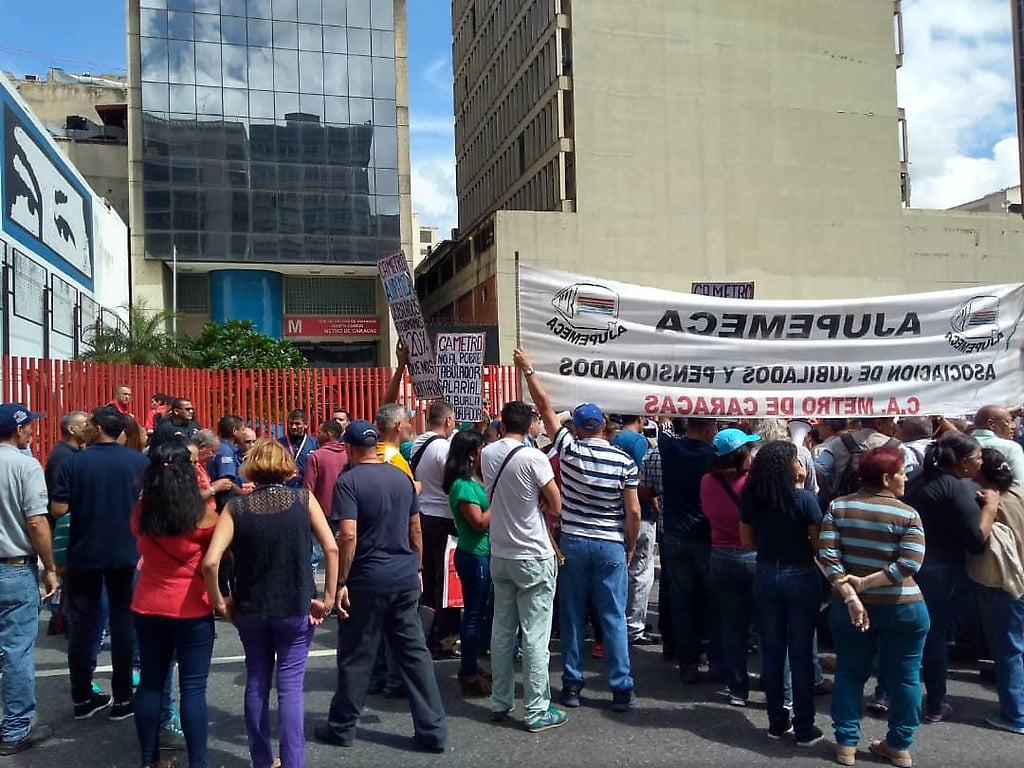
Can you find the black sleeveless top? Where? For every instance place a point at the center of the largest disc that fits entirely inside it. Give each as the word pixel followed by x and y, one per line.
pixel 272 549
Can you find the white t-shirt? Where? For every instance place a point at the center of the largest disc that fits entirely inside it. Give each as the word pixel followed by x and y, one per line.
pixel 430 474
pixel 518 529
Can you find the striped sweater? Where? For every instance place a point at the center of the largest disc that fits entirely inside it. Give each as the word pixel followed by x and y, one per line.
pixel 867 532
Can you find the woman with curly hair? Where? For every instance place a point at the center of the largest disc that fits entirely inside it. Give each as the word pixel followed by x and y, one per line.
pixel 780 520
pixel 469 504
pixel 171 609
pixel 957 516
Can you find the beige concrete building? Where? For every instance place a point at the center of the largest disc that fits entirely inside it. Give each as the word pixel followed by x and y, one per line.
pixel 691 141
pixel 87 116
pixel 1006 201
pixel 426 239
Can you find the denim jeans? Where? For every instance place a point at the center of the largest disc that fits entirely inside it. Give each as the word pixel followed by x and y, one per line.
pixel 396 615
pixel 524 595
pixel 788 597
pixel 278 646
pixel 687 567
pixel 897 634
pixel 594 570
pixel 19 625
pixel 1008 649
pixel 938 582
pixel 641 580
pixel 87 586
pixel 475 574
pixel 732 578
pixel 160 639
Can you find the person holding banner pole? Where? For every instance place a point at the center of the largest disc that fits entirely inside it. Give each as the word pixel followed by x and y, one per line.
pixel 600 526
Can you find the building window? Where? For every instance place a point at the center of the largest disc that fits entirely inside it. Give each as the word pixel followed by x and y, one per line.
pixel 329 296
pixel 426 236
pixel 194 293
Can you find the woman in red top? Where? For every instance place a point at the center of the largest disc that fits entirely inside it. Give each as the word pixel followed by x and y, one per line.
pixel 173 527
pixel 732 566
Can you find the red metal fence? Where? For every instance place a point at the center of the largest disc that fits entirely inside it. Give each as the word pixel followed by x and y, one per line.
pixel 262 398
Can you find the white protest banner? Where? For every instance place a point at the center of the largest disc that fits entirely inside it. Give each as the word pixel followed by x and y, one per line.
pixel 460 367
pixel 408 317
pixel 644 350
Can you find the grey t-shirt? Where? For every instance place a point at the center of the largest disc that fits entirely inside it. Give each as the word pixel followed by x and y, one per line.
pixel 22 495
pixel 517 526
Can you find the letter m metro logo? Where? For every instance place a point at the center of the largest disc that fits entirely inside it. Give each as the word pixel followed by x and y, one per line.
pixel 295 327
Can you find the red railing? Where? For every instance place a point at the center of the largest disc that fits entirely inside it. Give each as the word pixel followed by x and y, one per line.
pixel 262 398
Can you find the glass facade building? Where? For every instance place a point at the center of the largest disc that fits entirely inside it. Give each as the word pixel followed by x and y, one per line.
pixel 269 130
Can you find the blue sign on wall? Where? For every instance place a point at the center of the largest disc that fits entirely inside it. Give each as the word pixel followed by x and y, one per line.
pixel 45 206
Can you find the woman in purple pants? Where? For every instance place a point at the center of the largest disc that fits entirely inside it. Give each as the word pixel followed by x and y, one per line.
pixel 270 532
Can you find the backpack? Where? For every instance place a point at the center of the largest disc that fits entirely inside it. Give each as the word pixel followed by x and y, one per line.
pixel 849 481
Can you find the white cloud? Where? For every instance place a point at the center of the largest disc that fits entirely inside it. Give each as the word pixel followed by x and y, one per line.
pixel 433 192
pixel 439 75
pixel 956 86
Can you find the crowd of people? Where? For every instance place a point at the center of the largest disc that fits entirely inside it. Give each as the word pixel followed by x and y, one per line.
pixel 143 533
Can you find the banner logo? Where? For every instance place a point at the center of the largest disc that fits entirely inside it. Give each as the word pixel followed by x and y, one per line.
pixel 589 314
pixel 974 326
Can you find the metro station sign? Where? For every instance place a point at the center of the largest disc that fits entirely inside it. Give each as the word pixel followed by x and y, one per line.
pixel 330 326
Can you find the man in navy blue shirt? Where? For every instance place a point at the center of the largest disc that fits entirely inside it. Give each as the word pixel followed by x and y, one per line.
pixel 299 443
pixel 100 486
pixel 378 522
pixel 631 440
pixel 226 461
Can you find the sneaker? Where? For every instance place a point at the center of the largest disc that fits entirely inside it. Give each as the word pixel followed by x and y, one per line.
pixel 997 721
pixel 37 735
pixel 97 690
pixel 501 715
pixel 878 703
pixel 474 686
pixel 545 722
pixel 737 701
pixel 135 678
pixel 810 738
pixel 899 757
pixel 171 735
pixel 945 712
pixel 623 701
pixel 325 734
pixel 122 710
pixel 597 652
pixel 646 638
pixel 571 695
pixel 777 733
pixel 97 702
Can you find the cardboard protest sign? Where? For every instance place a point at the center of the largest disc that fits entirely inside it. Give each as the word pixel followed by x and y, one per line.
pixel 405 311
pixel 459 365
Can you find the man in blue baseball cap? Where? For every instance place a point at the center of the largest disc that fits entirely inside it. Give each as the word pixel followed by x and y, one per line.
pixel 600 526
pixel 24 539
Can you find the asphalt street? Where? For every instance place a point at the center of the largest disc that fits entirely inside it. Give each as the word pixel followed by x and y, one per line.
pixel 673 724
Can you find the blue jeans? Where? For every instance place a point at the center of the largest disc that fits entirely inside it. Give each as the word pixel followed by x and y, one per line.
pixel 938 582
pixel 19 625
pixel 732 578
pixel 594 570
pixel 897 634
pixel 1008 649
pixel 687 567
pixel 161 638
pixel 275 648
pixel 477 609
pixel 788 597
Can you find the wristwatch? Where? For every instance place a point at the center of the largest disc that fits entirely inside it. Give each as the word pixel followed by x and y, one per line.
pixel 528 371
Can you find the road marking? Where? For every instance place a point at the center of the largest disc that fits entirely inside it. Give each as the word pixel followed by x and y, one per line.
pixel 219 660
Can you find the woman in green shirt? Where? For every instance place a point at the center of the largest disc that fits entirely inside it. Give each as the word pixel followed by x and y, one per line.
pixel 469 504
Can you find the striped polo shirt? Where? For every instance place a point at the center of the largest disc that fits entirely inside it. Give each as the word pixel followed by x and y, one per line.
pixel 867 532
pixel 594 475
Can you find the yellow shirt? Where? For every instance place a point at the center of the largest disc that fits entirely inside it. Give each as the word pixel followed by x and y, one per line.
pixel 389 454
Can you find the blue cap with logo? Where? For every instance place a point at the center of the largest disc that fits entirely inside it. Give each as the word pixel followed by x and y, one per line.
pixel 587 416
pixel 13 415
pixel 361 434
pixel 729 440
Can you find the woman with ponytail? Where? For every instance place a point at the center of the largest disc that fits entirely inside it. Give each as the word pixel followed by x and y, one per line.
pixel 957 516
pixel 173 527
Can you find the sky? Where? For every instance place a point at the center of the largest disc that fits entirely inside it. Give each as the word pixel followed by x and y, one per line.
pixel 956 86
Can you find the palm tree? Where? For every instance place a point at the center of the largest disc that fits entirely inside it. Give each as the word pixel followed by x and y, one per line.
pixel 144 342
